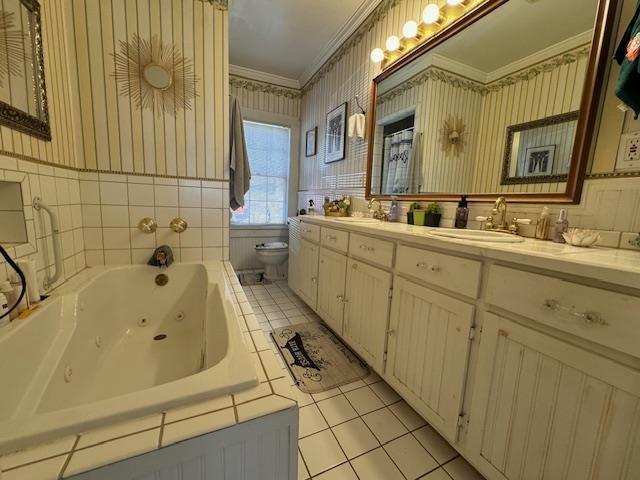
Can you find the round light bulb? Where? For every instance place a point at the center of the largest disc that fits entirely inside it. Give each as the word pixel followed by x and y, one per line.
pixel 431 14
pixel 392 44
pixel 410 29
pixel 455 3
pixel 377 55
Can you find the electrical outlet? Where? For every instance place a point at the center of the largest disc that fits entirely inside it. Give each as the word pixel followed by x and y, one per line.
pixel 629 152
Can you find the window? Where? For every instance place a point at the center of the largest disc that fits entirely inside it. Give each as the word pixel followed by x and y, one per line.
pixel 268 147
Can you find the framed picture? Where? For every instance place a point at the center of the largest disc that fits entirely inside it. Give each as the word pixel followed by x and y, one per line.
pixel 336 132
pixel 311 145
pixel 539 161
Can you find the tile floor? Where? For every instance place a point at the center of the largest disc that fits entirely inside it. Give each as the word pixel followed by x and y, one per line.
pixel 359 431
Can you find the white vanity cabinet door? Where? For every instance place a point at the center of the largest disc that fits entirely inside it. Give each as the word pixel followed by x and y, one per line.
pixel 543 408
pixel 366 311
pixel 307 273
pixel 428 352
pixel 331 285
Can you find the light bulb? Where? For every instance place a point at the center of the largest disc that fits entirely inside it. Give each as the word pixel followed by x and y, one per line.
pixel 455 3
pixel 431 14
pixel 392 44
pixel 410 29
pixel 377 55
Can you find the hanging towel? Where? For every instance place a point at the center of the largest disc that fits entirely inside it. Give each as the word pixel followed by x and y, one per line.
pixel 239 169
pixel 357 125
pixel 628 57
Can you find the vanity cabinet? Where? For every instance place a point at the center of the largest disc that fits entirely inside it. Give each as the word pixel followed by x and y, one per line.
pixel 294 254
pixel 332 273
pixel 428 351
pixel 307 272
pixel 544 408
pixel 368 291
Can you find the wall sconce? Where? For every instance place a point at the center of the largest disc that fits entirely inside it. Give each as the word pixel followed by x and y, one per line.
pixel 411 30
pixel 377 55
pixel 393 44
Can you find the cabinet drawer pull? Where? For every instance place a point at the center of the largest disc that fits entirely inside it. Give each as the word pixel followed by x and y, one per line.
pixel 363 246
pixel 331 238
pixel 590 318
pixel 423 266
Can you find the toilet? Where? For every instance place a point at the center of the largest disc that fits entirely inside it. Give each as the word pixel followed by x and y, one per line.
pixel 273 255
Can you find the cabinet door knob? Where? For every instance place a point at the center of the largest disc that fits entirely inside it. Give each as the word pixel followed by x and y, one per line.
pixel 314 279
pixel 391 332
pixel 341 299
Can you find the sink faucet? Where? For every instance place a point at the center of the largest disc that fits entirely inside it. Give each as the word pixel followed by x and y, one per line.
pixel 378 214
pixel 162 257
pixel 499 214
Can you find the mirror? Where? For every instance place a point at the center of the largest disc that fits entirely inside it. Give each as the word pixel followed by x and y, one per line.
pixel 500 102
pixel 23 100
pixel 157 76
pixel 13 226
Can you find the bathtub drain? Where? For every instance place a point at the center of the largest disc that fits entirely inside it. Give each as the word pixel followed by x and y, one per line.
pixel 161 336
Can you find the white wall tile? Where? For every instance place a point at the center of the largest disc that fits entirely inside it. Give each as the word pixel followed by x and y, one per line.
pixel 166 195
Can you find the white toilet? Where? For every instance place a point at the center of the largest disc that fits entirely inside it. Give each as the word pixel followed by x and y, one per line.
pixel 273 255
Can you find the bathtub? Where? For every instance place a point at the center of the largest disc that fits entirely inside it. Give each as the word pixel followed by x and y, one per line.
pixel 113 344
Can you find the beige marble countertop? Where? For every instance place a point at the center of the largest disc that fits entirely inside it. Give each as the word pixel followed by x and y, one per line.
pixel 71 455
pixel 610 265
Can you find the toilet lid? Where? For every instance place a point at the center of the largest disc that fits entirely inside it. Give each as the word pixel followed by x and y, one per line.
pixel 272 246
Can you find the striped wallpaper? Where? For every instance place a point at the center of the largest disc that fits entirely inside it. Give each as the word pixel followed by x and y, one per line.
pixel 59 151
pixel 265 97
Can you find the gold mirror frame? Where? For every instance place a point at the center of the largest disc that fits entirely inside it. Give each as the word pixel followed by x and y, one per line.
pixel 599 61
pixel 12 117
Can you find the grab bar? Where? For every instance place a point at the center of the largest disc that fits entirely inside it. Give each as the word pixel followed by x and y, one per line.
pixel 38 204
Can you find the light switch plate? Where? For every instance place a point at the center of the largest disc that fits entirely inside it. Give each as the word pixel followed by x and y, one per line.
pixel 629 152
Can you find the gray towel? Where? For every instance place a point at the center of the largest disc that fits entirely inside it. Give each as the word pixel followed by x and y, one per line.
pixel 239 169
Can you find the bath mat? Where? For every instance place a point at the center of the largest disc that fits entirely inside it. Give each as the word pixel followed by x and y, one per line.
pixel 317 359
pixel 252 278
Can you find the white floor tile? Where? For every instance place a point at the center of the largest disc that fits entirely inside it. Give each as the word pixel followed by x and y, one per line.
pixel 355 438
pixel 459 469
pixel 281 386
pixel 439 474
pixel 311 421
pixel 437 446
pixel 352 386
pixel 326 394
pixel 337 410
pixel 409 456
pixel 376 465
pixel 364 400
pixel 384 425
pixel 321 452
pixel 407 415
pixel 387 394
pixel 343 472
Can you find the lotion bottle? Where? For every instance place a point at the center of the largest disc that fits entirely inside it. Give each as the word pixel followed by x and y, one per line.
pixel 562 225
pixel 462 213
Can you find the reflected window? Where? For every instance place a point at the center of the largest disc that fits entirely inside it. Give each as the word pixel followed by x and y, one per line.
pixel 268 147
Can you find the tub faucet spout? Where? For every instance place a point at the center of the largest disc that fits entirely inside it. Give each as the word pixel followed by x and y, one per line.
pixel 162 257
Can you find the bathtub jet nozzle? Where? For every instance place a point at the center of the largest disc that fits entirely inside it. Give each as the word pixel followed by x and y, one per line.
pixel 162 257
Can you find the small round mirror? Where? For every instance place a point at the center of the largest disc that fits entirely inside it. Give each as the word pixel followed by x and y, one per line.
pixel 157 76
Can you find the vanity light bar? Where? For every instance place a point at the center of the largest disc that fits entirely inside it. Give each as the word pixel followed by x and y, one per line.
pixel 413 32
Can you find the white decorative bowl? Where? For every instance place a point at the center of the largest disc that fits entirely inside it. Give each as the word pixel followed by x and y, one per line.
pixel 580 237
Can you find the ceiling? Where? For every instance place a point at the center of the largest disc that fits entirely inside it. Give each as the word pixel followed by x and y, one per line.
pixel 518 29
pixel 285 37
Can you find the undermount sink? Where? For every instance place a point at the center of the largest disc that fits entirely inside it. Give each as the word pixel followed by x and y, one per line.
pixel 356 220
pixel 477 235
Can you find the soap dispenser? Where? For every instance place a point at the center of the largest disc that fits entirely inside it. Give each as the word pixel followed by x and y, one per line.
pixel 462 213
pixel 562 225
pixel 394 210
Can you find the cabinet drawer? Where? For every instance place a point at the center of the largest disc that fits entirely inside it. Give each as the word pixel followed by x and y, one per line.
pixel 453 273
pixel 310 232
pixel 336 239
pixel 371 249
pixel 601 316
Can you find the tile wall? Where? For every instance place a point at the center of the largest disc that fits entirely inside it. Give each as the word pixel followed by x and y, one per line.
pixel 113 204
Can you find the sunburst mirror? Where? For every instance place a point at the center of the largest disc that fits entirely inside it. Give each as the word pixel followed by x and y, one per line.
pixel 155 75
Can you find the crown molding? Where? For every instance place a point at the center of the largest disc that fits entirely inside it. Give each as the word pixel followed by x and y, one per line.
pixel 251 74
pixel 348 28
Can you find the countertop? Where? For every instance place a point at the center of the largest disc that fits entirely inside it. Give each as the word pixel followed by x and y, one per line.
pixel 71 455
pixel 610 265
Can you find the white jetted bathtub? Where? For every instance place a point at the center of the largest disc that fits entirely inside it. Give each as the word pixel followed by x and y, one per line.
pixel 113 344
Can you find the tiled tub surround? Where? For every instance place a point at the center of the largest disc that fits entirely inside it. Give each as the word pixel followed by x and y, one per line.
pixel 113 204
pixel 85 451
pixel 60 189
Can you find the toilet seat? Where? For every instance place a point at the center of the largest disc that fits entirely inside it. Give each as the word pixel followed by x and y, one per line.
pixel 272 246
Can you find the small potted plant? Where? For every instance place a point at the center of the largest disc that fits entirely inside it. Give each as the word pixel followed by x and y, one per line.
pixel 433 216
pixel 412 207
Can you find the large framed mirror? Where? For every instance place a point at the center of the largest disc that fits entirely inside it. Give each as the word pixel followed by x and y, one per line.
pixel 23 98
pixel 502 102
